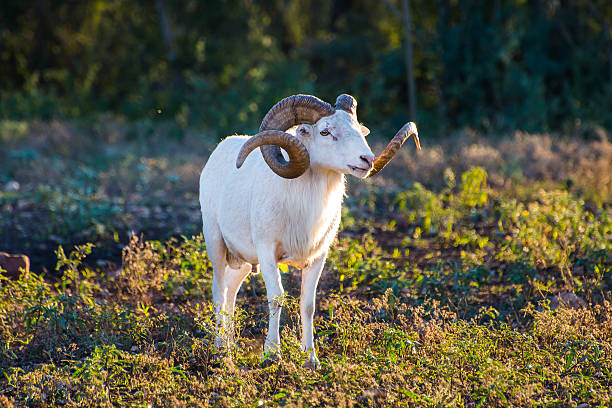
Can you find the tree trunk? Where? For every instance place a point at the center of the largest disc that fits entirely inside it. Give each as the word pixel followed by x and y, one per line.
pixel 443 76
pixel 408 58
pixel 168 38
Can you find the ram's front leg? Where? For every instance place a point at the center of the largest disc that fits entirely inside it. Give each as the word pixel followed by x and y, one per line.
pixel 310 280
pixel 274 289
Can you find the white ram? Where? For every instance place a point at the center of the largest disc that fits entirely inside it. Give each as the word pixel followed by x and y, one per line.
pixel 253 217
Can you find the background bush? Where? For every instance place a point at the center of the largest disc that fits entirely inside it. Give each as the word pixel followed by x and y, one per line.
pixel 221 64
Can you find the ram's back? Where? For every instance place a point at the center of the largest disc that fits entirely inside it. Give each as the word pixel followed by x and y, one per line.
pixel 219 174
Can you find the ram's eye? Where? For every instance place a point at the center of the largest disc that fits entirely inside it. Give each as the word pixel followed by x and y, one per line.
pixel 325 132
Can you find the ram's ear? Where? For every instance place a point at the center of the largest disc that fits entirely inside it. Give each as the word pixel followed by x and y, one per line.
pixel 364 130
pixel 304 131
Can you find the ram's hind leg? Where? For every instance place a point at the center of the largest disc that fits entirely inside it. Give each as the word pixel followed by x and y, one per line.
pixel 233 280
pixel 226 283
pixel 216 253
pixel 221 282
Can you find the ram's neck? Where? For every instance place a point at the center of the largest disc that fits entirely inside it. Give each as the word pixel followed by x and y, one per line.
pixel 313 210
pixel 331 181
pixel 326 189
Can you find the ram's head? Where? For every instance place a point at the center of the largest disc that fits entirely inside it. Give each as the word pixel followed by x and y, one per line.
pixel 326 137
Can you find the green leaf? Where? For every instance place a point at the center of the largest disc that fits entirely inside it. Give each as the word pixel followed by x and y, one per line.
pixel 570 359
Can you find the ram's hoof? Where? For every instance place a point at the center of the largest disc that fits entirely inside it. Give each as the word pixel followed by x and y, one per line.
pixel 312 364
pixel 269 359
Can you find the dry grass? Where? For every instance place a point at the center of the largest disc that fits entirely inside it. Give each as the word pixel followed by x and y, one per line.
pixel 487 284
pixel 584 165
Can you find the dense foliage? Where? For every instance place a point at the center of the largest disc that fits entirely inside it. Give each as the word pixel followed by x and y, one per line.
pixel 530 65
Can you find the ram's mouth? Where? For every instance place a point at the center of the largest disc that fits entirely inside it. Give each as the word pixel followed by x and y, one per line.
pixel 360 172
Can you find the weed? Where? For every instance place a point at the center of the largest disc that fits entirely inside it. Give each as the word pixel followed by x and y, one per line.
pixel 482 286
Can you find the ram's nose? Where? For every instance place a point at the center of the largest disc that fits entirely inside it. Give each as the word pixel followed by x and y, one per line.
pixel 369 159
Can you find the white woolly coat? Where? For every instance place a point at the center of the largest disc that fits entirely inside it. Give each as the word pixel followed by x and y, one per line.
pixel 239 205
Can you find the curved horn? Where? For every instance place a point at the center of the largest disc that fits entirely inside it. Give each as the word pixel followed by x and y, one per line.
pixel 299 159
pixel 295 110
pixel 291 111
pixel 398 140
pixel 347 103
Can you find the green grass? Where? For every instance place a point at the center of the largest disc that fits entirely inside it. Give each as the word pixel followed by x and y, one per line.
pixel 478 286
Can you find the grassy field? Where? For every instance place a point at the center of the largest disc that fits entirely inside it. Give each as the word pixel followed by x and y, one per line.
pixel 475 273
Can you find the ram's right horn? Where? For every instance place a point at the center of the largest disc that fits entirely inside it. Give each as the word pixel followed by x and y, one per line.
pixel 394 145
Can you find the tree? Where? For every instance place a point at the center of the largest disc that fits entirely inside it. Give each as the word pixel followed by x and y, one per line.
pixel 406 18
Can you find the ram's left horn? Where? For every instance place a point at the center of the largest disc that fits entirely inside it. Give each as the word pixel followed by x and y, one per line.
pixel 409 129
pixel 299 159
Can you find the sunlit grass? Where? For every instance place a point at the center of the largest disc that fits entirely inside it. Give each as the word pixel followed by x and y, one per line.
pixel 466 291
